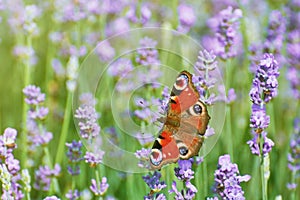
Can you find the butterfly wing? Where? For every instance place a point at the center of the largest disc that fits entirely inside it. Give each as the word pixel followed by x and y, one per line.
pixel 187 117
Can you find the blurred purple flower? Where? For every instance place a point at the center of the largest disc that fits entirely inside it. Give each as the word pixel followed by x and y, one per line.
pixel 88 125
pixel 117 26
pixel 73 195
pixel 226 24
pixel 222 95
pixel 24 54
pixel 105 51
pixel 120 67
pixel 147 54
pixel 293 54
pixel 294 154
pixel 87 99
pixel 37 136
pixel 33 95
pixel 58 68
pixel 187 18
pixel 145 14
pixel 94 158
pixel 74 155
pixel 275 33
pixel 143 156
pixel 227 179
pixel 43 177
pixel 99 189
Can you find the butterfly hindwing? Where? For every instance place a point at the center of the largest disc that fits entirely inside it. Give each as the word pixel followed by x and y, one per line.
pixel 186 121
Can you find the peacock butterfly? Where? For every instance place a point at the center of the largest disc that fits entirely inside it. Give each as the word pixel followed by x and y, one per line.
pixel 184 126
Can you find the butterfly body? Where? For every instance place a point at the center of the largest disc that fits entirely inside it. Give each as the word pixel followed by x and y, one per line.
pixel 184 125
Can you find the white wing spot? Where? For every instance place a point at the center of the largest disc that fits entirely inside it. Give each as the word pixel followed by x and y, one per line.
pixel 169 154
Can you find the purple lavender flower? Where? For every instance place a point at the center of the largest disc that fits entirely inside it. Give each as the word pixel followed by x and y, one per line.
pixel 265 84
pixel 147 110
pixel 204 78
pixel 145 14
pixel 33 95
pixel 74 155
pixel 24 54
pixel 188 194
pixel 273 42
pixel 293 53
pixel 294 154
pixel 227 179
pixel 147 54
pixel 187 18
pixel 275 34
pixel 225 25
pixel 94 158
pixel 105 51
pixel 87 99
pixel 88 125
pixel 73 195
pixel 120 67
pixel 36 136
pixel 99 189
pixel 117 26
pixel 184 172
pixel 264 88
pixel 154 183
pixel 143 156
pixel 43 177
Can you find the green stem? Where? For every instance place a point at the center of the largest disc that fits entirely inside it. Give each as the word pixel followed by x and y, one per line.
pixel 293 192
pixel 28 196
pixel 205 178
pixel 228 111
pixel 23 137
pixel 264 181
pixel 64 131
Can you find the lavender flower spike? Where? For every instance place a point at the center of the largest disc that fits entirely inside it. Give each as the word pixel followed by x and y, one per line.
pixel 227 179
pixel 99 189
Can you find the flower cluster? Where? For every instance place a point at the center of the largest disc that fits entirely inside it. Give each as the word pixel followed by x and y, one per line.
pixel 226 25
pixel 273 41
pixel 227 179
pixel 145 14
pixel 147 54
pixel 294 155
pixel 99 189
pixel 10 167
pixel 87 116
pixel 204 78
pixel 187 18
pixel 275 34
pixel 74 155
pixel 293 48
pixel 73 195
pixel 37 133
pixel 155 185
pixel 184 173
pixel 44 175
pixel 264 88
pixel 120 67
pixel 143 156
